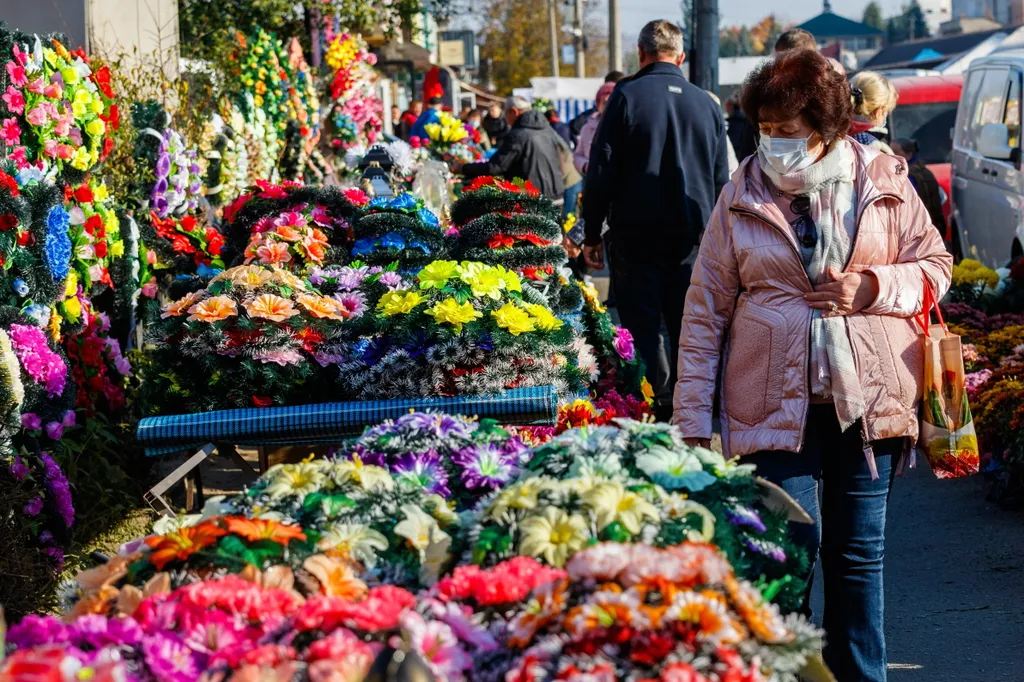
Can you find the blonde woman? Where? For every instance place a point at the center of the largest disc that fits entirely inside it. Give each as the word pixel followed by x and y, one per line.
pixel 874 98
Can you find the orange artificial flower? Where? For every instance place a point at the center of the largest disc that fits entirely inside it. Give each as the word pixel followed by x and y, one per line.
pixel 288 233
pixel 182 544
pixel 271 307
pixel 181 305
pixel 249 276
pixel 322 307
pixel 545 605
pixel 337 578
pixel 316 252
pixel 318 237
pixel 213 309
pixel 98 602
pixel 255 530
pixel 274 252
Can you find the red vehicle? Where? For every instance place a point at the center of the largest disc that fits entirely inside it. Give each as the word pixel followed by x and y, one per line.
pixel 926 112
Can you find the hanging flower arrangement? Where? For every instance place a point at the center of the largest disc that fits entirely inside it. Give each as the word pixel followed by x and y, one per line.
pixel 95 233
pixel 179 182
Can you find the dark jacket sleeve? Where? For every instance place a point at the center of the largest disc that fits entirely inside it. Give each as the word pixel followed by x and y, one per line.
pixel 721 159
pixel 597 190
pixel 500 162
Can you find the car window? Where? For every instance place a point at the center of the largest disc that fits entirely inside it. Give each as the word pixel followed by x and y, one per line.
pixel 1011 112
pixel 927 124
pixel 966 109
pixel 988 108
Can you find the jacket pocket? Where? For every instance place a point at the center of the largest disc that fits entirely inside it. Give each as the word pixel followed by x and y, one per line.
pixel 901 343
pixel 755 366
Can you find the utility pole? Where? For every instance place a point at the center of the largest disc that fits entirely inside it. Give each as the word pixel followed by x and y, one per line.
pixel 614 37
pixel 704 70
pixel 577 34
pixel 553 26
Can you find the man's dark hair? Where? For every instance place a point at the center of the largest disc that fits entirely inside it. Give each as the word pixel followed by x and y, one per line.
pixel 614 77
pixel 908 146
pixel 434 101
pixel 795 39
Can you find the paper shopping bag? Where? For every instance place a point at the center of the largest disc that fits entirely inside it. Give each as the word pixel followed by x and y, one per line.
pixel 947 439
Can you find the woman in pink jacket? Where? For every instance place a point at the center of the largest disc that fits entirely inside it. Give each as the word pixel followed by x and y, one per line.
pixel 581 156
pixel 810 270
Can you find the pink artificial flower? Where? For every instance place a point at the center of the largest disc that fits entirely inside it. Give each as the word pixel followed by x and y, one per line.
pixel 65 152
pixel 151 257
pixel 37 116
pixel 17 73
pixel 36 86
pixel 14 100
pixel 69 419
pixel 271 253
pixel 149 288
pixel 53 91
pixel 19 56
pixel 20 157
pixel 435 642
pixel 50 148
pixel 63 126
pixel 30 421
pixel 10 132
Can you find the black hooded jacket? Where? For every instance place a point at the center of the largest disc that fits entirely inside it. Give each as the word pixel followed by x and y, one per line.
pixel 529 150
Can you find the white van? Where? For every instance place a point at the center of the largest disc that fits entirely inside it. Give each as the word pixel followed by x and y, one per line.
pixel 987 184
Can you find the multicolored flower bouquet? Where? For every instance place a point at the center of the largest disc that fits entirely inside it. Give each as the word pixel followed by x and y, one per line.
pixel 95 232
pixel 459 459
pixel 619 367
pixel 57 112
pixel 494 195
pixel 296 239
pixel 98 367
pixel 251 337
pixel 357 112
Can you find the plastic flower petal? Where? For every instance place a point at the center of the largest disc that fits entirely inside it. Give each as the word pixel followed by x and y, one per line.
pixel 554 535
pixel 399 302
pixel 271 307
pixel 454 313
pixel 213 309
pixel 514 319
pixel 436 274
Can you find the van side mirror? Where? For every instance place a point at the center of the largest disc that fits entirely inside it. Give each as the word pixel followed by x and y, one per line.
pixel 994 141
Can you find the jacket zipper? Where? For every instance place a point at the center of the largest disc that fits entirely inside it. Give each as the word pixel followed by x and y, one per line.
pixel 868 451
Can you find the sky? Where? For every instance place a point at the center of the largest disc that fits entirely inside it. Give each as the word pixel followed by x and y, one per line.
pixel 636 13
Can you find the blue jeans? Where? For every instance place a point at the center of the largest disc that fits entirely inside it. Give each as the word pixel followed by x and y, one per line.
pixel 571 195
pixel 852 512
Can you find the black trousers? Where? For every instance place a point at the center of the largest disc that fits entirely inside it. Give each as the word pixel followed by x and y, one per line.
pixel 650 286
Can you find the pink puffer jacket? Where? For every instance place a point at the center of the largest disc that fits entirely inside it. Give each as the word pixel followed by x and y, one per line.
pixel 745 310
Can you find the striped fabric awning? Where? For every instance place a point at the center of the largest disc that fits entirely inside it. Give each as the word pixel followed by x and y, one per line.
pixel 333 422
pixel 568 109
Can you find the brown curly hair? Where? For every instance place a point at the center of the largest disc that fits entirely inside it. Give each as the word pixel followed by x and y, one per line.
pixel 799 82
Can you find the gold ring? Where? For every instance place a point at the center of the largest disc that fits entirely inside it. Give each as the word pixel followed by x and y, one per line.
pixel 833 307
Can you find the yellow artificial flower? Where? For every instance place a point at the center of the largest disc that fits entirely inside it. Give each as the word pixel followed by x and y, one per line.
pixel 100 193
pixel 454 313
pixel 591 296
pixel 440 509
pixel 513 319
pixel 70 76
pixel 509 279
pixel 82 159
pixel 286 278
pixel 570 222
pixel 367 476
pixel 543 318
pixel 419 528
pixel 553 535
pixel 300 479
pixel 521 495
pixel 399 302
pixel 437 274
pixel 71 284
pixel 95 127
pixel 611 502
pixel 117 249
pixel 483 280
pixel 647 390
pixel 97 106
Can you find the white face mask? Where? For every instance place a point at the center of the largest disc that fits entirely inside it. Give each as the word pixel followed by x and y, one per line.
pixel 785 154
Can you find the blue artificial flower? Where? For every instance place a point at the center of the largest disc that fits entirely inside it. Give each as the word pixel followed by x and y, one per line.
pixel 427 217
pixel 57 244
pixel 377 202
pixel 363 247
pixel 204 270
pixel 376 349
pixel 20 287
pixel 404 202
pixel 40 314
pixel 485 342
pixel 29 174
pixel 393 240
pixel 415 244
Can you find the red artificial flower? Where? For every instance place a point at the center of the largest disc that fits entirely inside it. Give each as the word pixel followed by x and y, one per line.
pixel 650 648
pixel 531 189
pixel 101 249
pixel 534 239
pixel 165 228
pixel 181 244
pixel 215 241
pixel 501 241
pixel 482 181
pixel 108 146
pixel 262 401
pixel 9 183
pixel 188 224
pixel 309 338
pixel 101 78
pixel 26 238
pixel 83 194
pixel 8 222
pixel 232 210
pixel 92 224
pixel 112 118
pixel 270 190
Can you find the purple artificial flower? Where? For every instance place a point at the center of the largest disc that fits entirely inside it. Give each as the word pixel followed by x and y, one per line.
pixel 37 359
pixel 60 490
pixel 97 632
pixel 350 278
pixel 392 280
pixel 624 344
pixel 745 517
pixel 320 216
pixel 377 459
pixel 57 554
pixel 124 366
pixel 764 548
pixel 33 507
pixel 68 420
pixel 354 302
pixel 169 659
pixel 449 426
pixel 31 421
pixel 54 430
pixel 75 135
pixel 163 169
pixel 34 631
pixel 19 470
pixel 485 467
pixel 423 470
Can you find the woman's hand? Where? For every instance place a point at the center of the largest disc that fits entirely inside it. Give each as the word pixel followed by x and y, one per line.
pixel 848 293
pixel 698 443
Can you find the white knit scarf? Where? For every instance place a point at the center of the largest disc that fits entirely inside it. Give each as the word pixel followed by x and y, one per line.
pixel 829 185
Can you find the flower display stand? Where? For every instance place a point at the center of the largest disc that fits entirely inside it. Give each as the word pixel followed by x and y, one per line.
pixel 204 433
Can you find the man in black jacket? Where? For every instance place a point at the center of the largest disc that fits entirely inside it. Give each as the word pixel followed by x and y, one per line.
pixel 656 168
pixel 530 150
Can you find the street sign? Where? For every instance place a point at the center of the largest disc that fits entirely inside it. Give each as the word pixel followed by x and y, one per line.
pixel 452 53
pixel 568 54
